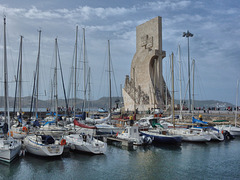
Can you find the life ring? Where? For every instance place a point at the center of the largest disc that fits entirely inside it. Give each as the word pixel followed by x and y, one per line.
pixel 63 142
pixel 24 129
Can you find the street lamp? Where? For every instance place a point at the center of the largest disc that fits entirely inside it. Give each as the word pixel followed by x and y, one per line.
pixel 187 35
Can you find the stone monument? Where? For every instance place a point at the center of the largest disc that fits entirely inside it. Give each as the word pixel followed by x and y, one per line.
pixel 145 89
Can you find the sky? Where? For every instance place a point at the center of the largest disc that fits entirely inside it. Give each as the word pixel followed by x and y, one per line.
pixel 215 46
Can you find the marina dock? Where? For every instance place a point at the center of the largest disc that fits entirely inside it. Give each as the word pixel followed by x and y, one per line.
pixel 126 143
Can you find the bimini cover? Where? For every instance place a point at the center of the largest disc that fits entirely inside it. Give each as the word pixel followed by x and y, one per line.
pixel 46 139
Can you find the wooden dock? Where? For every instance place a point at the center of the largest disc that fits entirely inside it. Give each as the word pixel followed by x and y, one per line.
pixel 123 142
pixel 108 138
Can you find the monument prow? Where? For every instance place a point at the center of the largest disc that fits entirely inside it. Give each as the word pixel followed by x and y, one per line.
pixel 145 88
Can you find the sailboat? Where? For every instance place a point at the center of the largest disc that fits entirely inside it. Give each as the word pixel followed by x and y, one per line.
pixel 43 144
pixel 192 134
pixel 9 147
pixel 18 130
pixel 52 128
pixel 105 127
pixel 83 139
pixel 233 130
pixel 164 136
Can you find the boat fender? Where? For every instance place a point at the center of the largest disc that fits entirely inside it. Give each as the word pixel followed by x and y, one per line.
pixel 24 129
pixel 117 134
pixel 11 133
pixel 63 142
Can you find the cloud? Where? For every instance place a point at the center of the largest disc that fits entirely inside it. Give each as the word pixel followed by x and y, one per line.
pixel 214 25
pixel 35 13
pixel 167 5
pixel 87 12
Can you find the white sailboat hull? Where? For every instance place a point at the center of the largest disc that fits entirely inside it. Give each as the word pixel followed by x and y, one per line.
pixel 196 138
pixel 18 133
pixel 35 146
pixel 9 149
pixel 90 145
pixel 217 136
pixel 191 136
pixel 235 131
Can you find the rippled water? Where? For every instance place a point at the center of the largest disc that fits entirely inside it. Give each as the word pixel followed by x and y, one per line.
pixel 189 161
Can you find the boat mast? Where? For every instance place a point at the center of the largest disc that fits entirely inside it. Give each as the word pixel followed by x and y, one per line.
pixel 236 103
pixel 37 74
pixel 6 103
pixel 173 112
pixel 109 75
pixel 20 77
pixel 166 92
pixel 89 88
pixel 55 83
pixel 75 75
pixel 84 70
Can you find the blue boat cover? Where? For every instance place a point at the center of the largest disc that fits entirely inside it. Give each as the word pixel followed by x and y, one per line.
pixel 82 116
pixel 198 121
pixel 49 122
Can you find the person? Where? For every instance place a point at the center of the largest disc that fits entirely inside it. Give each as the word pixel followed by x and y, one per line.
pixel 131 120
pixel 134 116
pixel 5 130
pixel 200 117
pixel 19 119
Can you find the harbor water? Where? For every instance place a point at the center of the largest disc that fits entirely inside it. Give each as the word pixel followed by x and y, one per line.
pixel 213 160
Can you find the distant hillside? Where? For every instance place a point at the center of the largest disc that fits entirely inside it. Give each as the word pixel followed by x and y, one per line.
pixel 26 102
pixel 207 103
pixel 104 103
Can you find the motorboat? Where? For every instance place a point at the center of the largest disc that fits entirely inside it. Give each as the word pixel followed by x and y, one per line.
pixel 132 134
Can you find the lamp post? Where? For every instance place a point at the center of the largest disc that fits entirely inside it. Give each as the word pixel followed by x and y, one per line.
pixel 187 35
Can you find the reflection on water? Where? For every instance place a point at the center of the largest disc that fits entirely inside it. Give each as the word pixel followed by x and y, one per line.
pixel 188 161
pixel 7 169
pixel 170 147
